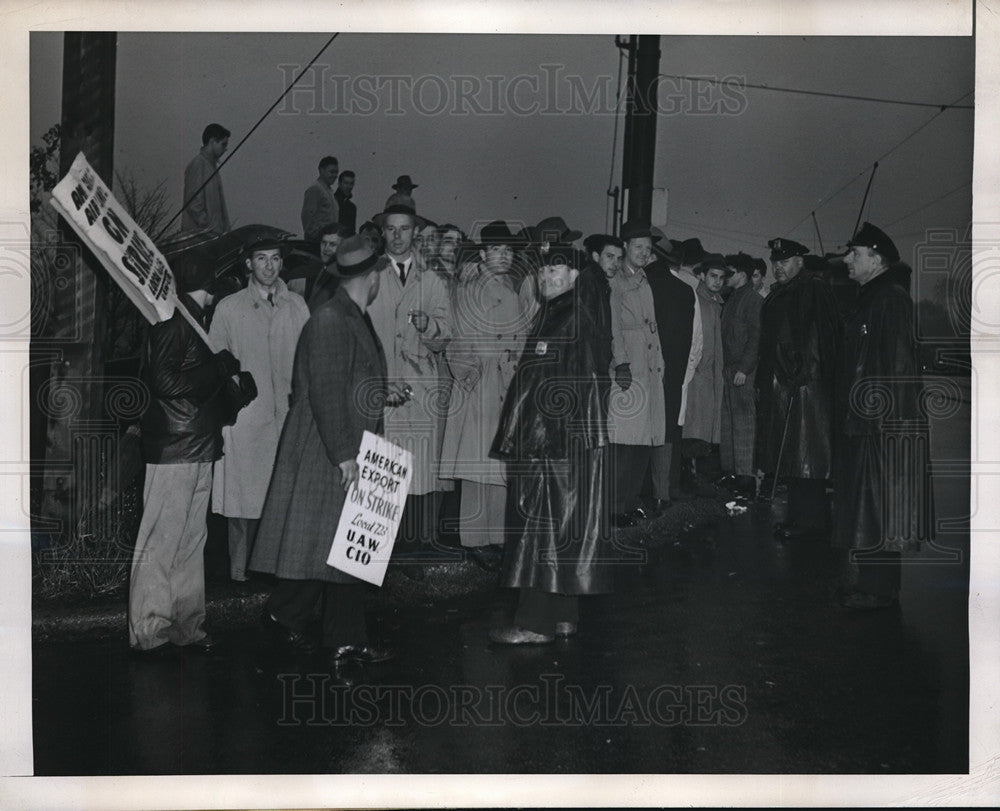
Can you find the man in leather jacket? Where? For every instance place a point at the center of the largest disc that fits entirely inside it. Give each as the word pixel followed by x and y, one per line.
pixel 799 333
pixel 192 392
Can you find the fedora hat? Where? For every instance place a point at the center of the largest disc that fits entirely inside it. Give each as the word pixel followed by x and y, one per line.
pixel 402 207
pixel 355 258
pixel 404 182
pixel 496 233
pixel 633 229
pixel 554 229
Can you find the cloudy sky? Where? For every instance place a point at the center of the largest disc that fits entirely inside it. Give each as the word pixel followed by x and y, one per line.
pixel 522 126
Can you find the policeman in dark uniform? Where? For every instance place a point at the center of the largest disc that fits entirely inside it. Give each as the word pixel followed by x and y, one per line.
pixel 795 375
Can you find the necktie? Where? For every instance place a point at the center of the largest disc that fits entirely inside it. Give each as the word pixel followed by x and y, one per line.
pixel 270 299
pixel 402 272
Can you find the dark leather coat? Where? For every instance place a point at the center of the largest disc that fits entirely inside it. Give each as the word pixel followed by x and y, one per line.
pixel 553 433
pixel 188 403
pixel 882 485
pixel 796 366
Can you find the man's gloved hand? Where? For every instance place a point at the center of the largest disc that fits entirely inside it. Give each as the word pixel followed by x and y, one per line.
pixel 248 389
pixel 623 376
pixel 226 363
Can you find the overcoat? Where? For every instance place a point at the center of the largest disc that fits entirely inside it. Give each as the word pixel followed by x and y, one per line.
pixel 740 345
pixel 704 403
pixel 263 338
pixel 674 305
pixel 552 434
pixel 482 355
pixel 338 393
pixel 208 208
pixel 883 491
pixel 799 335
pixel 635 416
pixel 415 359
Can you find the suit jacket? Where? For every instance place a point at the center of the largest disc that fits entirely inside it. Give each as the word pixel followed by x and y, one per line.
pixel 741 332
pixel 338 393
pixel 674 307
pixel 319 208
pixel 208 209
pixel 348 216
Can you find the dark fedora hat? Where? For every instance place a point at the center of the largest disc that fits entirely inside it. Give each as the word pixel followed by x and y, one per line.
pixel 404 182
pixel 554 229
pixel 564 254
pixel 869 236
pixel 399 208
pixel 355 258
pixel 634 229
pixel 712 261
pixel 497 233
pixel 689 252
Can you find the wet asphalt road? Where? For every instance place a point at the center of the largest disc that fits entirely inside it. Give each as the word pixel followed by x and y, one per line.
pixel 724 653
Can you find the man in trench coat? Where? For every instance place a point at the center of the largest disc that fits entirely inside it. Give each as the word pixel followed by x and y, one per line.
pixel 338 393
pixel 260 325
pixel 883 504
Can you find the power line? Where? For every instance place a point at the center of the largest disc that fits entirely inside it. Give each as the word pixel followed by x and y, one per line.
pixel 928 205
pixel 882 157
pixel 260 121
pixel 941 107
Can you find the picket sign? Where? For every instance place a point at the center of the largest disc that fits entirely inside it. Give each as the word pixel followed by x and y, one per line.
pixel 128 254
pixel 372 510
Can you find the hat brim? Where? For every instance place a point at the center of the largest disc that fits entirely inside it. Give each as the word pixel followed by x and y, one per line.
pixel 374 263
pixel 379 220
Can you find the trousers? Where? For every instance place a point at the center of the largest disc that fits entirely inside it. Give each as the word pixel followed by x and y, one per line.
pixel 166 600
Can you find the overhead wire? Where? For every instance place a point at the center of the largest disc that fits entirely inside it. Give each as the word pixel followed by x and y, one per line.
pixel 234 150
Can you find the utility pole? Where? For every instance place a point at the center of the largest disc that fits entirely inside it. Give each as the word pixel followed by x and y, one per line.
pixel 639 150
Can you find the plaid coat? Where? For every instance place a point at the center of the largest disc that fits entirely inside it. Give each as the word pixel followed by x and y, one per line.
pixel 338 392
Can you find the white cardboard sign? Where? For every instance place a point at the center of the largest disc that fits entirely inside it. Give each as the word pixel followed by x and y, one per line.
pixel 372 511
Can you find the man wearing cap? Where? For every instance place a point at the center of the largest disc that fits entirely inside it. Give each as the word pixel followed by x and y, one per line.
pixel 412 319
pixel 206 202
pixel 319 206
pixel 347 212
pixel 702 431
pixel 883 507
pixel 338 393
pixel 260 325
pixel 795 370
pixel 740 342
pixel 482 354
pixel 679 318
pixel 403 192
pixel 636 411
pixel 189 390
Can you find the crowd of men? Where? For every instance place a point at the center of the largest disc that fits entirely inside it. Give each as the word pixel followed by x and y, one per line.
pixel 547 393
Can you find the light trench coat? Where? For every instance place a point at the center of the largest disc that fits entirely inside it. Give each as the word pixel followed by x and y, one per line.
pixel 489 335
pixel 263 339
pixel 415 359
pixel 636 416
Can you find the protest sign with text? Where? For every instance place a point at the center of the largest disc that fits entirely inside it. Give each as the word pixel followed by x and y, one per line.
pixel 372 510
pixel 125 251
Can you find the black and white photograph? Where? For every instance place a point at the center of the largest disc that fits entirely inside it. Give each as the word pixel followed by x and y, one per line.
pixel 501 405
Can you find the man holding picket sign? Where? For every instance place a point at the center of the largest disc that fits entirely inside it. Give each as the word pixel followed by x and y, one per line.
pixel 193 391
pixel 338 393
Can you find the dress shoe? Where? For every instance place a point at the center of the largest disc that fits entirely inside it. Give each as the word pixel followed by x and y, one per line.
pixel 863 601
pixel 564 629
pixel 297 640
pixel 512 635
pixel 366 654
pixel 621 520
